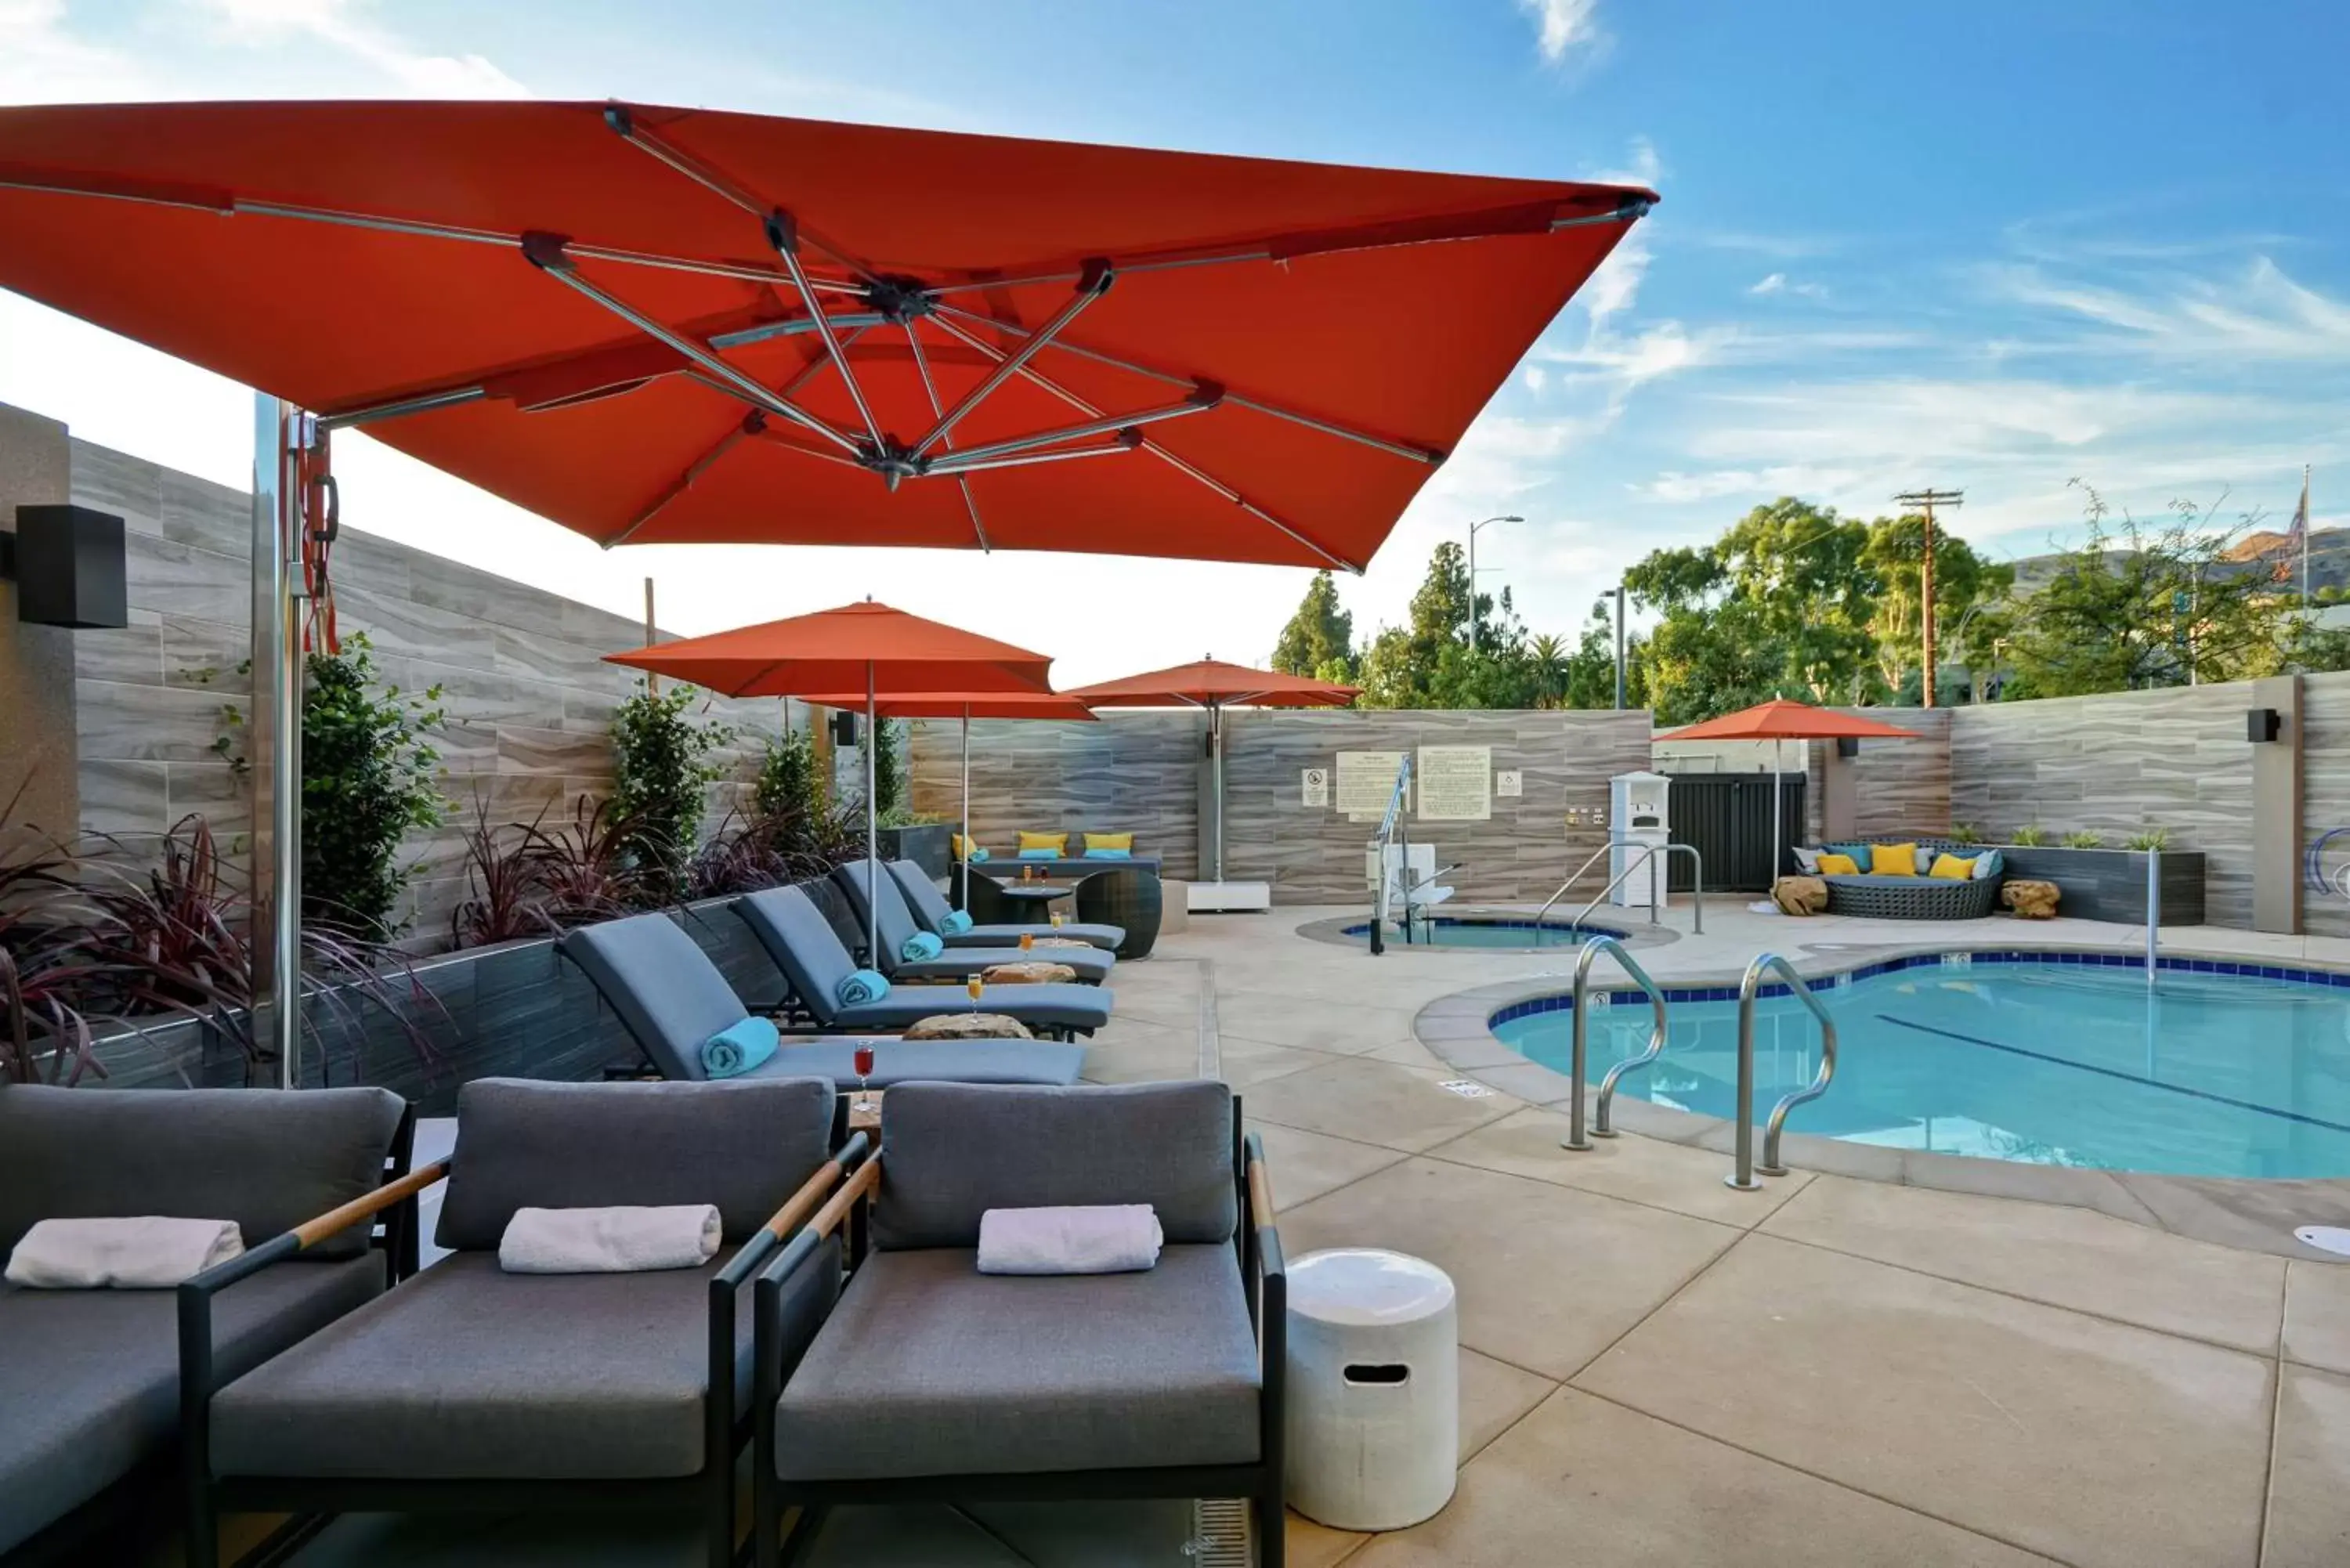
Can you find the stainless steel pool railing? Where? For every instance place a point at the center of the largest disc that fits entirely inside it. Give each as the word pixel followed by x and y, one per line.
pixel 1648 852
pixel 1579 1066
pixel 1742 1176
pixel 1394 826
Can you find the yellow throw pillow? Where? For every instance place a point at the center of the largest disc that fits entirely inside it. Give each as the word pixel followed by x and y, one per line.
pixel 1109 841
pixel 1839 865
pixel 1893 859
pixel 957 851
pixel 1950 868
pixel 1051 841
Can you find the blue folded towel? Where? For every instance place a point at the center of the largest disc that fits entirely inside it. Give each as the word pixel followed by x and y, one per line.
pixel 739 1048
pixel 861 987
pixel 920 948
pixel 978 853
pixel 957 922
pixel 1040 854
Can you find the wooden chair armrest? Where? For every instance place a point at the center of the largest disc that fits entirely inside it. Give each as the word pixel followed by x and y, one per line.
pixel 310 1233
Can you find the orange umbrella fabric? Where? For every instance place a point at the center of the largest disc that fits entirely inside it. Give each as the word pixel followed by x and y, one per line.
pixel 862 648
pixel 964 705
pixel 1782 720
pixel 662 325
pixel 1213 683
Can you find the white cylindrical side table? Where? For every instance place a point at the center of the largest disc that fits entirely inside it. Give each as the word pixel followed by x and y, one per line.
pixel 1374 1395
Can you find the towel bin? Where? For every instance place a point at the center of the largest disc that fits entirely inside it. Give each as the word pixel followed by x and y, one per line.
pixel 1374 1394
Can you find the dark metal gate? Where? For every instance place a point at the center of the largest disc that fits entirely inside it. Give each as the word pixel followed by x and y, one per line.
pixel 1726 818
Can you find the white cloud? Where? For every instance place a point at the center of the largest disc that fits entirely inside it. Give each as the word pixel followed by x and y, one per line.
pixel 1535 377
pixel 348 25
pixel 1771 284
pixel 1612 289
pixel 2257 313
pixel 43 61
pixel 1779 282
pixel 1565 27
pixel 1624 363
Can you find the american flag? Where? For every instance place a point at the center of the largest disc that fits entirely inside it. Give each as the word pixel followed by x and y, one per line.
pixel 2296 541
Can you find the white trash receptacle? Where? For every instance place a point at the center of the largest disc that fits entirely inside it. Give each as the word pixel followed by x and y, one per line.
pixel 1374 1395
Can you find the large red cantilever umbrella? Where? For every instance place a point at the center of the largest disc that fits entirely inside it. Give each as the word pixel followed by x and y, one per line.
pixel 1213 685
pixel 868 645
pixel 1782 719
pixel 965 706
pixel 659 325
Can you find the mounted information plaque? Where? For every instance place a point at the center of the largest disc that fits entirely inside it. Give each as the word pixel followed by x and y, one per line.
pixel 1456 783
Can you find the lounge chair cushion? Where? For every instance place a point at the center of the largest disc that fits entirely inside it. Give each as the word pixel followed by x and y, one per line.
pixel 929 1367
pixel 669 996
pixel 89 1380
pixel 930 909
pixel 745 1145
pixel 898 926
pixel 266 1161
pixel 953 1151
pixel 803 944
pixel 1051 1006
pixel 467 1372
pixel 897 1061
pixel 1091 964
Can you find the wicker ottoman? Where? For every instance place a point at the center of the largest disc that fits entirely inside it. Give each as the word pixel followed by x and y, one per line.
pixel 1133 899
pixel 2030 901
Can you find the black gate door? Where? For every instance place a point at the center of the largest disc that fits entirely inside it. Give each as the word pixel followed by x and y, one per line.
pixel 1726 817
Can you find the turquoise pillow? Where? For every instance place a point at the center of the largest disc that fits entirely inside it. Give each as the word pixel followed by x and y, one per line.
pixel 1989 864
pixel 1110 854
pixel 978 853
pixel 865 985
pixel 1859 853
pixel 739 1048
pixel 1040 854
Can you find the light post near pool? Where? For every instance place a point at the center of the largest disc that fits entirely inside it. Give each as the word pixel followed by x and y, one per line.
pixel 1473 616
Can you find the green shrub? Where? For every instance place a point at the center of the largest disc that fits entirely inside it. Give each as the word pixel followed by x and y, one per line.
pixel 2083 838
pixel 367 779
pixel 790 787
pixel 661 774
pixel 1965 833
pixel 2031 836
pixel 2154 839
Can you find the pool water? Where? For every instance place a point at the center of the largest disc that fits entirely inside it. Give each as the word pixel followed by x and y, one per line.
pixel 1495 934
pixel 2032 1061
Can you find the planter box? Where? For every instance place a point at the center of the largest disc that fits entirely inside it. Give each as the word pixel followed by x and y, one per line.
pixel 930 847
pixel 2110 884
pixel 514 1011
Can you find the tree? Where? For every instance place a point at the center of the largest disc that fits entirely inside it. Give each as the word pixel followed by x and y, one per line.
pixel 1547 662
pixel 1430 663
pixel 661 768
pixel 1319 637
pixel 1967 587
pixel 1591 669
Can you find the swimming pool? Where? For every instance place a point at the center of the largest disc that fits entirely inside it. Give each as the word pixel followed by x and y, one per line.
pixel 1492 933
pixel 2037 1057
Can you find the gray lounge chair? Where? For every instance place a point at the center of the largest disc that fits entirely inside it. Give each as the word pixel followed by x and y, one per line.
pixel 801 942
pixel 469 1387
pixel 930 1380
pixel 93 1384
pixel 930 909
pixel 897 928
pixel 672 999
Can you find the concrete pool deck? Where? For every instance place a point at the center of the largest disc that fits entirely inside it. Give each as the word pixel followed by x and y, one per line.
pixel 1658 1369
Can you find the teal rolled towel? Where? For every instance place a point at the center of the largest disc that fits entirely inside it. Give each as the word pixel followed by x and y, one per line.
pixel 920 948
pixel 957 922
pixel 738 1048
pixel 861 987
pixel 978 853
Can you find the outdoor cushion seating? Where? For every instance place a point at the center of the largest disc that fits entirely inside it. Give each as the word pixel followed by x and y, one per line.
pixel 930 909
pixel 896 926
pixel 467 1374
pixel 1131 899
pixel 801 942
pixel 670 998
pixel 1875 896
pixel 931 1380
pixel 91 1381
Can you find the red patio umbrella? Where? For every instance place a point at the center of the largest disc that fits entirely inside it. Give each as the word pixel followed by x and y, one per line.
pixel 1213 685
pixel 869 644
pixel 965 706
pixel 1782 719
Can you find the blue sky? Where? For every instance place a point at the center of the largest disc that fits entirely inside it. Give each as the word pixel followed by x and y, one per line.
pixel 1993 246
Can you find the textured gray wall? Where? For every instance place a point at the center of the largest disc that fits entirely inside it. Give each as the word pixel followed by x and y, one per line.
pixel 529 699
pixel 36 662
pixel 1137 771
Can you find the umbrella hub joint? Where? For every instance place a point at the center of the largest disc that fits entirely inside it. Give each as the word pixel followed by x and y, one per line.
pixel 900 300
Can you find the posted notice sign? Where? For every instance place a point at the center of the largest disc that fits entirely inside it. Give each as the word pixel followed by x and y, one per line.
pixel 1456 783
pixel 1314 785
pixel 1365 781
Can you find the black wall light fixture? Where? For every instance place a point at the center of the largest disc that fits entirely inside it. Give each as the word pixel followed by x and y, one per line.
pixel 2262 724
pixel 68 562
pixel 844 728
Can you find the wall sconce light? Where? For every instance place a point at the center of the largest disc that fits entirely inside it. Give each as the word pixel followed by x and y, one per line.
pixel 1848 746
pixel 2262 724
pixel 68 561
pixel 844 728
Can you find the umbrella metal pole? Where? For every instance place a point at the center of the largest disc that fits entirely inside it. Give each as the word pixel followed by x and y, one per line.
pixel 964 859
pixel 1778 771
pixel 277 681
pixel 872 827
pixel 1216 762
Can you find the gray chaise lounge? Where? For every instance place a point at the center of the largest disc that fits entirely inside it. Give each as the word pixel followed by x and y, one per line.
pixel 931 1380
pixel 1091 963
pixel 930 909
pixel 470 1387
pixel 801 942
pixel 93 1383
pixel 672 999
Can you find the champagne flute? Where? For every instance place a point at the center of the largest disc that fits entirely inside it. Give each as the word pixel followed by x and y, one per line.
pixel 1027 941
pixel 864 1065
pixel 974 986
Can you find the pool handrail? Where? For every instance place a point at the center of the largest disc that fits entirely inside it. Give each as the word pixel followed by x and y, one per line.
pixel 1742 1176
pixel 1395 820
pixel 1647 853
pixel 1579 1064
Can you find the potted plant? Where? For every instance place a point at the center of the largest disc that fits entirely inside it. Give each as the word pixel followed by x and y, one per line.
pixel 2098 883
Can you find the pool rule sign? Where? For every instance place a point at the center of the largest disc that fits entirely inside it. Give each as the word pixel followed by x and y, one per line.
pixel 1314 787
pixel 1456 783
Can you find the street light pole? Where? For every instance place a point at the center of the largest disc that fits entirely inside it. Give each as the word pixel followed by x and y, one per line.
pixel 1473 616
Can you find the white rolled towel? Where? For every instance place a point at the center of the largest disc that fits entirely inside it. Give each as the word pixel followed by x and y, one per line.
pixel 620 1241
pixel 1098 1239
pixel 131 1252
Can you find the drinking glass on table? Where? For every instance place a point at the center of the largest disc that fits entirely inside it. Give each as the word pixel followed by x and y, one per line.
pixel 863 1062
pixel 974 986
pixel 1027 941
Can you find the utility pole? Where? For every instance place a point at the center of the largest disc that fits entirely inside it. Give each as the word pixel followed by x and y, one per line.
pixel 652 635
pixel 1926 500
pixel 1473 616
pixel 1619 647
